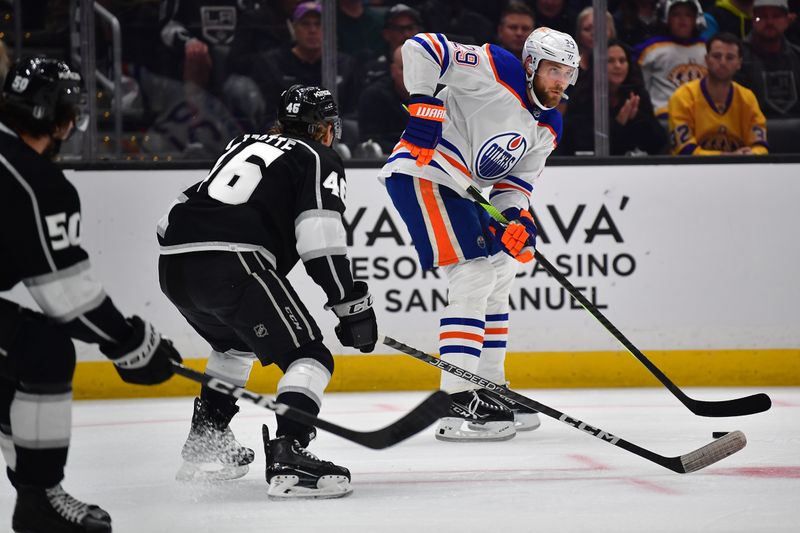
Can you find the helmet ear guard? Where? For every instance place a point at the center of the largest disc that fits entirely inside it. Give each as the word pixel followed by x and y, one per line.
pixel 307 106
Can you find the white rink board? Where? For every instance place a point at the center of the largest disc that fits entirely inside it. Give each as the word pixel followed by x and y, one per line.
pixel 697 257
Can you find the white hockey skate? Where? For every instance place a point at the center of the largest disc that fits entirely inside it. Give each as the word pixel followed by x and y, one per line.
pixel 211 452
pixel 294 473
pixel 471 419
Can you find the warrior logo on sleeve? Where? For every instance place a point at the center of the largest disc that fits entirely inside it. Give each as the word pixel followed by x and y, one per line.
pixel 497 156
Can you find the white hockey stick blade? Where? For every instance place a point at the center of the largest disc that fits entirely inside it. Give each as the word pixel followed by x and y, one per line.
pixel 713 452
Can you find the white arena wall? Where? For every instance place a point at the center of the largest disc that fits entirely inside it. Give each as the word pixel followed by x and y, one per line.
pixel 696 264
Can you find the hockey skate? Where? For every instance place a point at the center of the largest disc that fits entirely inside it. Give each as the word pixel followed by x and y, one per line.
pixel 471 419
pixel 295 473
pixel 40 510
pixel 525 418
pixel 211 452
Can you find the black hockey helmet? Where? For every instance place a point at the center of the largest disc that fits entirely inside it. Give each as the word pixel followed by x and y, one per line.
pixel 303 105
pixel 45 90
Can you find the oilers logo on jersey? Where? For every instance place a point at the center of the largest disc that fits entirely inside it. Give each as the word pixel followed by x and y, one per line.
pixel 497 156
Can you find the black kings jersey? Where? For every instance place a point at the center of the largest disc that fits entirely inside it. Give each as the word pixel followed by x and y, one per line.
pixel 40 236
pixel 280 196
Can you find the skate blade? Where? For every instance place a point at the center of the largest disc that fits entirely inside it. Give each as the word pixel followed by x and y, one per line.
pixel 526 421
pixel 193 472
pixel 453 430
pixel 328 487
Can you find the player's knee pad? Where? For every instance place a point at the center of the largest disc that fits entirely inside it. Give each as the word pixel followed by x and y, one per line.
pixel 471 282
pixel 42 353
pixel 308 372
pixel 505 268
pixel 232 366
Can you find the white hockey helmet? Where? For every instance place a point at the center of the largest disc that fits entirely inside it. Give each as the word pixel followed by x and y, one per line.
pixel 546 43
pixel 665 5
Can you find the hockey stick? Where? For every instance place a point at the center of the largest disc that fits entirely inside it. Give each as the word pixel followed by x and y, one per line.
pixel 683 464
pixel 748 405
pixel 422 416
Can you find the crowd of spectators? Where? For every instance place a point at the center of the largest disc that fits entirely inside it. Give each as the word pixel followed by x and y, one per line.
pixel 198 72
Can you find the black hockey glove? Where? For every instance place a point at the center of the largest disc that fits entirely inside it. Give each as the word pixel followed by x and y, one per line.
pixel 145 358
pixel 357 325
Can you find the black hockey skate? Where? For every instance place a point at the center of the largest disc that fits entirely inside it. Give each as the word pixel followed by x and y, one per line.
pixel 211 452
pixel 295 473
pixel 471 419
pixel 525 418
pixel 52 510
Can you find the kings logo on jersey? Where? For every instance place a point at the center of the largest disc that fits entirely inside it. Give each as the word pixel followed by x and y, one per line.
pixel 498 155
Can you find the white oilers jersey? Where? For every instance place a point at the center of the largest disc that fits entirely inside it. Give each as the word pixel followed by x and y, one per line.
pixel 668 64
pixel 492 133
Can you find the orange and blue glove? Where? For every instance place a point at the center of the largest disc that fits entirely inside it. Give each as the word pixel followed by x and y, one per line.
pixel 518 239
pixel 424 129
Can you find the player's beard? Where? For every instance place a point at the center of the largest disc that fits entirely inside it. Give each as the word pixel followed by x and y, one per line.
pixel 548 96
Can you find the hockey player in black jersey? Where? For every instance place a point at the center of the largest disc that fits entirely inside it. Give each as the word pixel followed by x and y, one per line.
pixel 40 238
pixel 227 244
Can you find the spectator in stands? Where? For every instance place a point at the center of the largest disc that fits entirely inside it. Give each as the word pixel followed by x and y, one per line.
pixel 463 21
pixel 733 16
pixel 400 23
pixel 516 23
pixel 301 62
pixel 633 126
pixel 793 32
pixel 636 20
pixel 358 29
pixel 716 115
pixel 381 115
pixel 555 14
pixel 771 65
pixel 268 28
pixel 5 62
pixel 199 34
pixel 584 31
pixel 674 57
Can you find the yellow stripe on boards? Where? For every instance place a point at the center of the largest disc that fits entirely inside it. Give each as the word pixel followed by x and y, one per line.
pixel 711 368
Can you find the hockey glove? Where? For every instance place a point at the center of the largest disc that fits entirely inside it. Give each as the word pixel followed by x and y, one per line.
pixel 424 129
pixel 357 325
pixel 145 358
pixel 518 239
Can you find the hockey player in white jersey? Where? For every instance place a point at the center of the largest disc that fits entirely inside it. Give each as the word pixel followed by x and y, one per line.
pixel 495 122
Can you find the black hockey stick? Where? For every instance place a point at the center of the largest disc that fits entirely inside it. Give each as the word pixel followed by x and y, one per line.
pixel 683 464
pixel 422 416
pixel 747 405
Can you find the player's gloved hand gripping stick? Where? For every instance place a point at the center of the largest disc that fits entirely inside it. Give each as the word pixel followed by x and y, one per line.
pixel 518 237
pixel 424 128
pixel 747 405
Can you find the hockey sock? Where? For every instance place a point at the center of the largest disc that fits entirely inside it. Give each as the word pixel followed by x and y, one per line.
pixel 290 428
pixel 232 366
pixel 460 341
pixel 302 387
pixel 493 353
pixel 41 421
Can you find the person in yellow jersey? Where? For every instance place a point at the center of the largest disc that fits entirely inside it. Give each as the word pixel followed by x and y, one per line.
pixel 715 115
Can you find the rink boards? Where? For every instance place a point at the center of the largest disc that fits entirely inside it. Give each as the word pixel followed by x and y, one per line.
pixel 695 264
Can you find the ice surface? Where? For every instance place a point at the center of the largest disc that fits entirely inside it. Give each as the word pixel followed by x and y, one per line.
pixel 125 453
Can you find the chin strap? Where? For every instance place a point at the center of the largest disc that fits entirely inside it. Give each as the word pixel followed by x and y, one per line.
pixel 532 94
